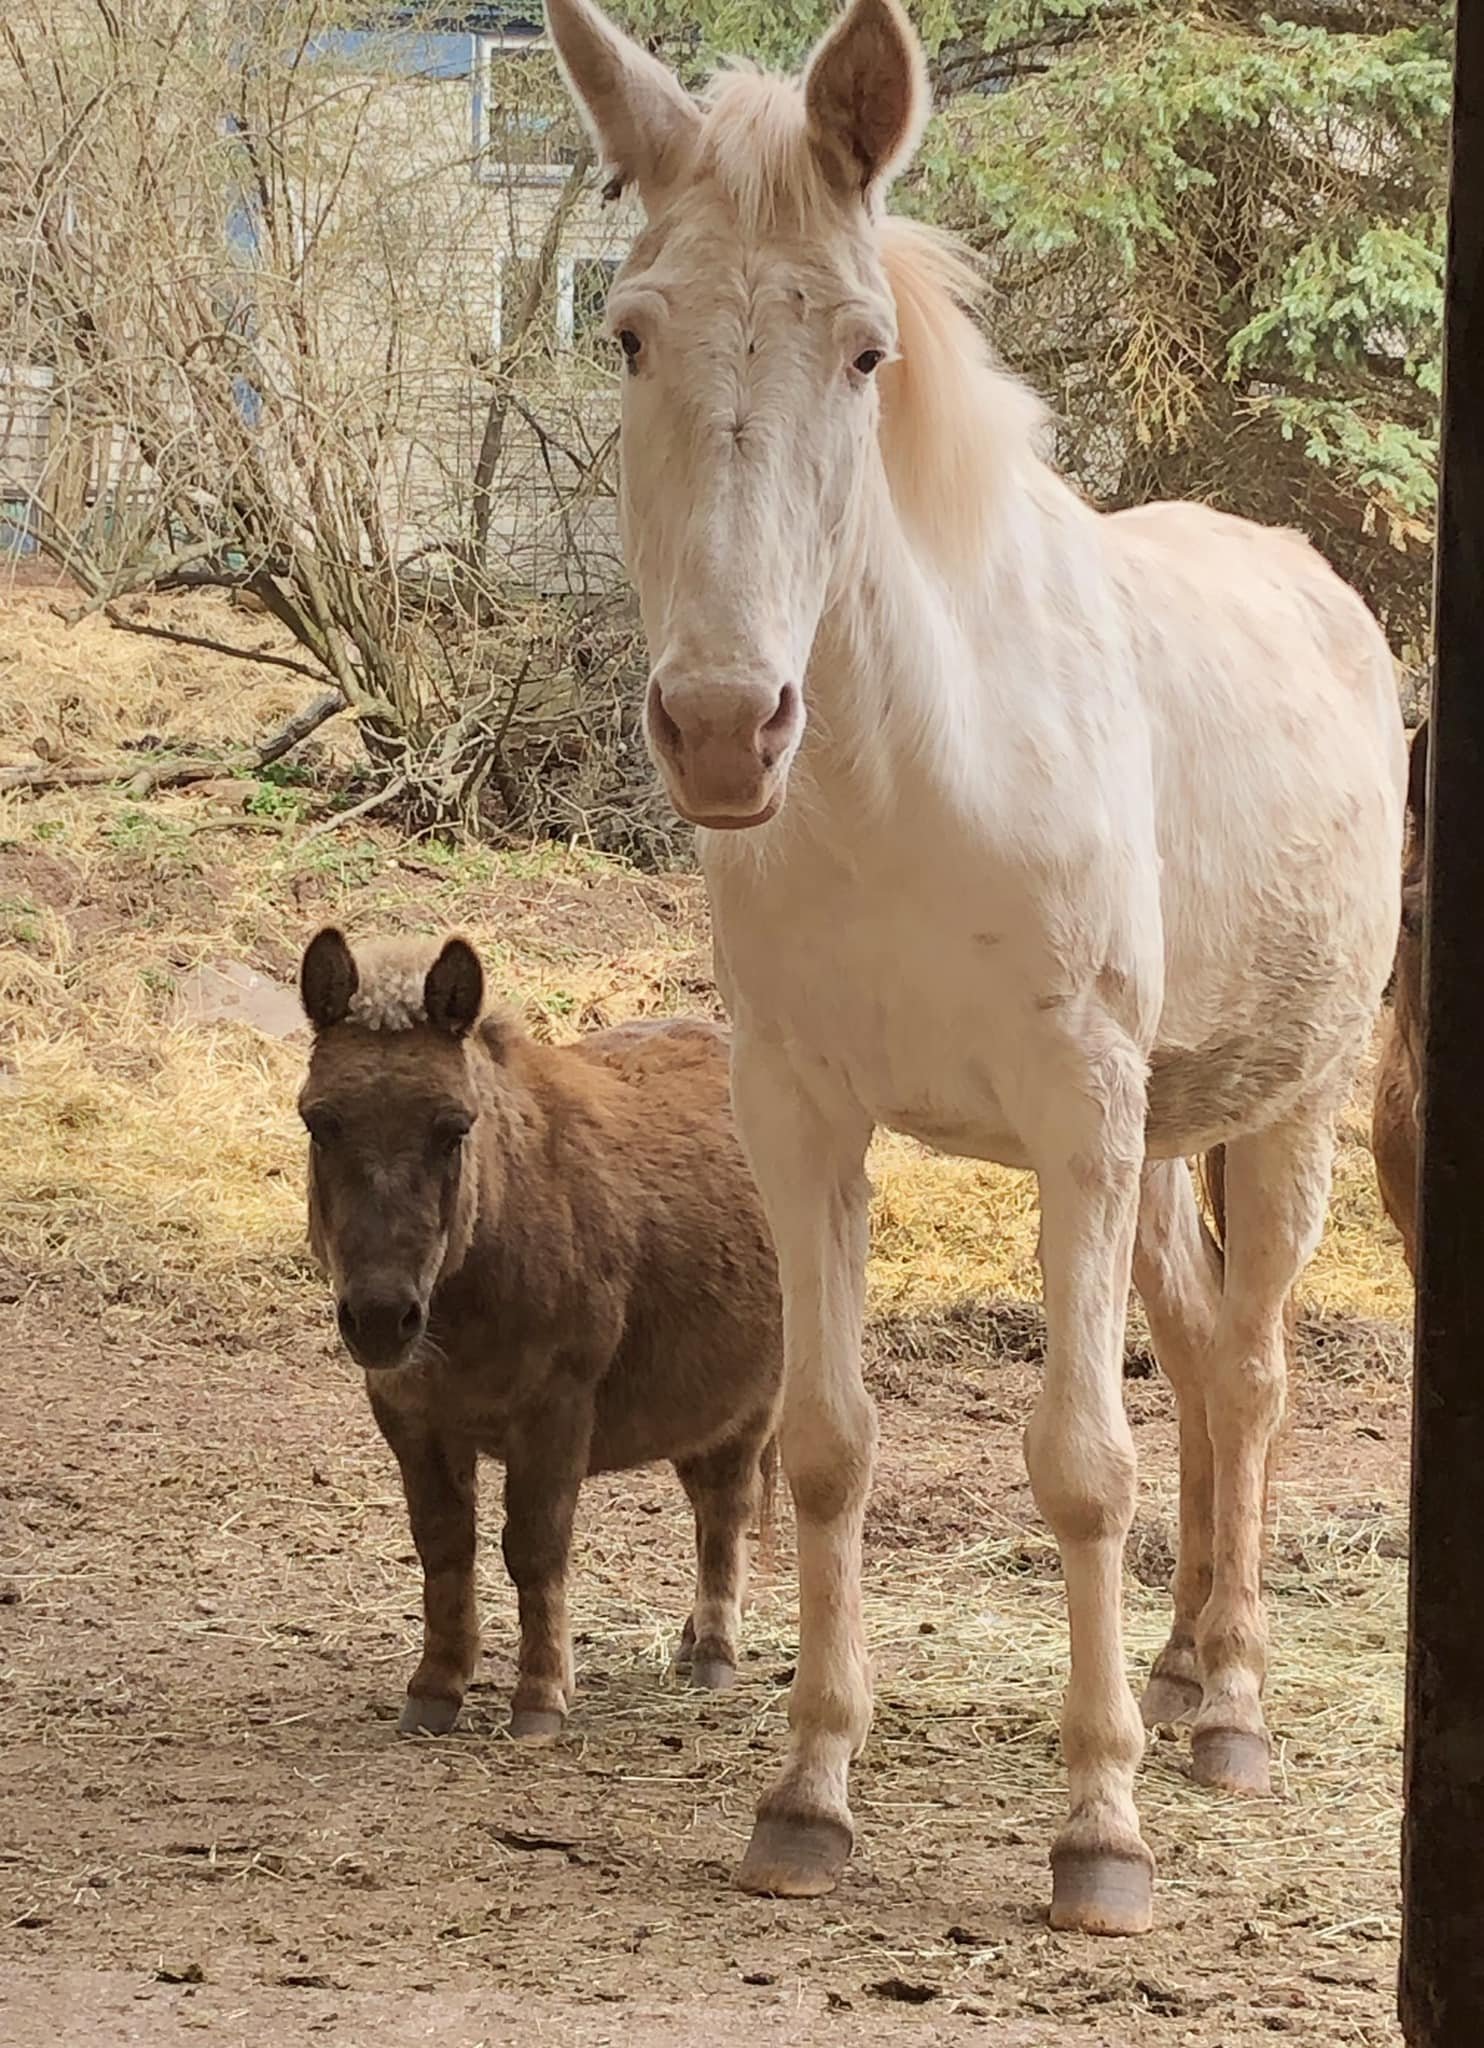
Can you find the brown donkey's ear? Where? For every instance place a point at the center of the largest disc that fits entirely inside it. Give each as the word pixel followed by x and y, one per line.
pixel 327 979
pixel 453 993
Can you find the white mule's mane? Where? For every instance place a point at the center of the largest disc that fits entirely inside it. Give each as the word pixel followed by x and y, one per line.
pixel 954 424
pixel 956 428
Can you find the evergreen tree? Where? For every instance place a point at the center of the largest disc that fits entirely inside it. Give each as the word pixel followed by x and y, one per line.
pixel 1215 230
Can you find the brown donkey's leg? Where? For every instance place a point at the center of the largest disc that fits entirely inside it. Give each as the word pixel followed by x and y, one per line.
pixel 545 1467
pixel 1177 1271
pixel 1277 1185
pixel 723 1489
pixel 440 1482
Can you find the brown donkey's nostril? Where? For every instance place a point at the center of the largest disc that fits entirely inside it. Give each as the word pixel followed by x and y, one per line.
pixel 379 1327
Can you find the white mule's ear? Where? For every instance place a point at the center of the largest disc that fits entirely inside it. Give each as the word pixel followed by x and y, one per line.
pixel 866 96
pixel 641 118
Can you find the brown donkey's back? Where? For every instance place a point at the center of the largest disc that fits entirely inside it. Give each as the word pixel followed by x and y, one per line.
pixel 553 1256
pixel 1394 1108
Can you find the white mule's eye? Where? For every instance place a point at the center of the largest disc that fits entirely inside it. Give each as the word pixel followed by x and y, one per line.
pixel 868 360
pixel 630 343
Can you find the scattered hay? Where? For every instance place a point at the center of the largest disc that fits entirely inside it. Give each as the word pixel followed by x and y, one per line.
pixel 92 695
pixel 256 1628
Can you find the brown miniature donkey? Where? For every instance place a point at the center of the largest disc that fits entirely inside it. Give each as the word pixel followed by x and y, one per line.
pixel 549 1256
pixel 1399 1064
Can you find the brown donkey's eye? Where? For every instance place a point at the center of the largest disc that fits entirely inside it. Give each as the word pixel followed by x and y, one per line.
pixel 323 1128
pixel 630 343
pixel 450 1132
pixel 868 360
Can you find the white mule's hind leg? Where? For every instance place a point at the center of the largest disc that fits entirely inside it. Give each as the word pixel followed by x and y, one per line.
pixel 1177 1270
pixel 1277 1186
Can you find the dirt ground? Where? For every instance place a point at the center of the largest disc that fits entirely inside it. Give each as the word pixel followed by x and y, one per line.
pixel 210 1822
pixel 208 1604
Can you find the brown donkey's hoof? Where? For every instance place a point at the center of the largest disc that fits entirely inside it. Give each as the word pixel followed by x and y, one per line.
pixel 1169 1702
pixel 795 1859
pixel 711 1674
pixel 423 1716
pixel 1101 1893
pixel 536 1724
pixel 1231 1760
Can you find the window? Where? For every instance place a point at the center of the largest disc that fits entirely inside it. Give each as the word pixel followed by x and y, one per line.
pixel 515 138
pixel 589 280
pixel 572 313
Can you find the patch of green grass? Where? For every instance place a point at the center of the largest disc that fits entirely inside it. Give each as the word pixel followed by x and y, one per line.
pixel 547 857
pixel 274 800
pixel 144 835
pixel 20 920
pixel 350 862
pixel 286 775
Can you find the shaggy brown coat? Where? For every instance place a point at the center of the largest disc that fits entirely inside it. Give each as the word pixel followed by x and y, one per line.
pixel 1399 1069
pixel 550 1256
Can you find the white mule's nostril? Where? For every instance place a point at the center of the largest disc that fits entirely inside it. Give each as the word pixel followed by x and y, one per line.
pixel 779 728
pixel 784 713
pixel 666 731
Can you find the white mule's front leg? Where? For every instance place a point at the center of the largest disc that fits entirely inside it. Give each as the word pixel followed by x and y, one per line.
pixel 1080 1457
pixel 807 1150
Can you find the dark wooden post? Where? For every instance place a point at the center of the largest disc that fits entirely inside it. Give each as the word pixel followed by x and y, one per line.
pixel 1442 1976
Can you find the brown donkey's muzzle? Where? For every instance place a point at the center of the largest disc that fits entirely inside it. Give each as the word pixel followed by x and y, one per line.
pixel 380 1325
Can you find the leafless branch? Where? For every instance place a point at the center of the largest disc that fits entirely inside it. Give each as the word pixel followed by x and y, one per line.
pixel 262 655
pixel 261 361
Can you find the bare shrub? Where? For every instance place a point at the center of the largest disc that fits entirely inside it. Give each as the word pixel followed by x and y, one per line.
pixel 253 278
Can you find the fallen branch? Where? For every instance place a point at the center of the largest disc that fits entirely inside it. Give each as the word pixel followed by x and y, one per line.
pixel 299 727
pixel 172 775
pixel 47 775
pixel 385 795
pixel 264 655
pixel 179 774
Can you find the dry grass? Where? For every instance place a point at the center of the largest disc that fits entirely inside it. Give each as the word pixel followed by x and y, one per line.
pixel 133 1140
pixel 138 1147
pixel 90 693
pixel 948 1230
